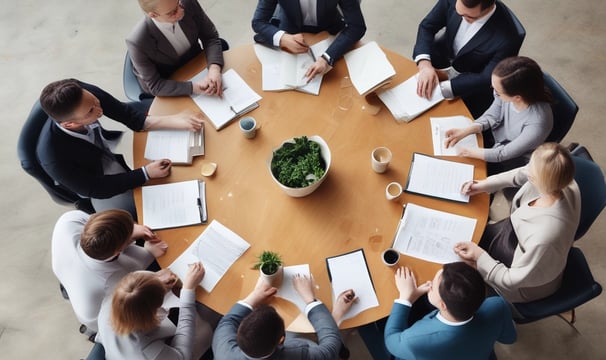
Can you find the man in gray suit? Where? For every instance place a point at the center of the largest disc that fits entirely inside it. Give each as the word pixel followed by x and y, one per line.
pixel 252 330
pixel 166 39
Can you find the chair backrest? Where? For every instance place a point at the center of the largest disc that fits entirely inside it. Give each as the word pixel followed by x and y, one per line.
pixel 520 31
pixel 96 353
pixel 578 287
pixel 590 179
pixel 26 150
pixel 564 109
pixel 132 88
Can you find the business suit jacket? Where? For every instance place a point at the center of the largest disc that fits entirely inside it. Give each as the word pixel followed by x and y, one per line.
pixel 225 345
pixel 351 23
pixel 495 41
pixel 77 164
pixel 154 59
pixel 430 338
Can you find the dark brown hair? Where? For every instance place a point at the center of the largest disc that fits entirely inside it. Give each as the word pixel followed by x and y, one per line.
pixel 462 289
pixel 106 232
pixel 60 99
pixel 473 3
pixel 522 76
pixel 260 332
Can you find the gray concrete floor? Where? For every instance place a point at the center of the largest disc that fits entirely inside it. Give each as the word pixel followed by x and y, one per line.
pixel 44 41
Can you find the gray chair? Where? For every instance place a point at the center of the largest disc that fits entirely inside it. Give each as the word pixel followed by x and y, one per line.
pixel 96 353
pixel 564 109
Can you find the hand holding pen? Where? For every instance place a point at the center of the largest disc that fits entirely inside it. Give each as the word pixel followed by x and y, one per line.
pixel 158 169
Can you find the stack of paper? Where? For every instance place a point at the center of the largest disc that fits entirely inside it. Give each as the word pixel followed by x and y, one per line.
pixel 439 127
pixel 431 234
pixel 180 146
pixel 369 68
pixel 238 99
pixel 217 248
pixel 404 103
pixel 175 204
pixel 287 290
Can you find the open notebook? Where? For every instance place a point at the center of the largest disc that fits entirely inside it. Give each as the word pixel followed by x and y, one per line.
pixel 404 103
pixel 369 68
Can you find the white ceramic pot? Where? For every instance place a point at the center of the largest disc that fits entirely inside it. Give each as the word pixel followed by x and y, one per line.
pixel 274 279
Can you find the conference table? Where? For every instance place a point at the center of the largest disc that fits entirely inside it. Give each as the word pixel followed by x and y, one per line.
pixel 348 211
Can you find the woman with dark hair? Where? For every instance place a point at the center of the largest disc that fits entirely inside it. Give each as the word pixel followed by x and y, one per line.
pixel 520 117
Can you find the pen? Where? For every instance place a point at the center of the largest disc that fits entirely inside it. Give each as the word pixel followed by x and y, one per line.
pixel 311 53
pixel 164 164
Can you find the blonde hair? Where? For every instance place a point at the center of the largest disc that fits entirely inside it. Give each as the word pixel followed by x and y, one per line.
pixel 552 167
pixel 148 5
pixel 136 299
pixel 106 232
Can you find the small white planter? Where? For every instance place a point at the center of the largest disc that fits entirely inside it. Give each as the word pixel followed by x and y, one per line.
pixel 274 279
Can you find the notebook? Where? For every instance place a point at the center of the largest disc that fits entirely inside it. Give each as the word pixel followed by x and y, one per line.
pixel 180 146
pixel 369 68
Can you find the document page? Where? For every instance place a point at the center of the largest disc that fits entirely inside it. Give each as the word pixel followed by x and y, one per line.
pixel 368 67
pixel 439 127
pixel 287 290
pixel 439 178
pixel 431 234
pixel 404 103
pixel 350 271
pixel 169 144
pixel 172 205
pixel 217 248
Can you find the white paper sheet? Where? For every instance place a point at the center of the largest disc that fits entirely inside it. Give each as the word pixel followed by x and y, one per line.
pixel 438 178
pixel 177 145
pixel 431 234
pixel 404 103
pixel 172 205
pixel 439 127
pixel 350 271
pixel 368 67
pixel 217 248
pixel 287 290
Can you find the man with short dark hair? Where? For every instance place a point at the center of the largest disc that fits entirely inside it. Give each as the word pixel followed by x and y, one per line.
pixel 478 34
pixel 91 253
pixel 465 325
pixel 251 330
pixel 76 151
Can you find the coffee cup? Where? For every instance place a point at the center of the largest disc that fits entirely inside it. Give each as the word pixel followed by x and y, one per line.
pixel 393 190
pixel 390 257
pixel 248 125
pixel 380 158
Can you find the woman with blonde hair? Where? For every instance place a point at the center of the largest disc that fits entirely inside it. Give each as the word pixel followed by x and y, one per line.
pixel 523 256
pixel 133 325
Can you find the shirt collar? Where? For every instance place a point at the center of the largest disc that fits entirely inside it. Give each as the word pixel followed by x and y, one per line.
pixel 452 323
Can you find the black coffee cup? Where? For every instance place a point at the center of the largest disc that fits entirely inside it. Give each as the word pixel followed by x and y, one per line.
pixel 390 257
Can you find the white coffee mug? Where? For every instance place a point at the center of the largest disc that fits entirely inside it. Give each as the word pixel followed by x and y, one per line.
pixel 393 190
pixel 248 125
pixel 379 159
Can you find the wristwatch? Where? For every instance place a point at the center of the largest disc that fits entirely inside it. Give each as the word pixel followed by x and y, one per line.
pixel 328 59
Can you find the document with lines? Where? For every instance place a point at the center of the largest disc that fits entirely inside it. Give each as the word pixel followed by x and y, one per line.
pixel 217 248
pixel 430 234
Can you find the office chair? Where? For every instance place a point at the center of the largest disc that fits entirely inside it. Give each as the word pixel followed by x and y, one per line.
pixel 132 88
pixel 26 150
pixel 590 179
pixel 578 287
pixel 521 32
pixel 564 109
pixel 96 353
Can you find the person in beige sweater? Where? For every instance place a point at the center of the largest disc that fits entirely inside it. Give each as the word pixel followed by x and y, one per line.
pixel 544 216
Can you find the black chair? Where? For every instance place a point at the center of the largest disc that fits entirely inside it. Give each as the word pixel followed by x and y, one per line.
pixel 578 287
pixel 26 150
pixel 521 32
pixel 564 109
pixel 96 353
pixel 590 179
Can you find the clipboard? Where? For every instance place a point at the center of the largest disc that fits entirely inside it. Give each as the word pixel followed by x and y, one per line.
pixel 174 204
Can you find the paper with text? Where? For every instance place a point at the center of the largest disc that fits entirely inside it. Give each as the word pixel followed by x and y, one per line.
pixel 404 103
pixel 350 271
pixel 172 205
pixel 438 178
pixel 439 127
pixel 287 290
pixel 217 248
pixel 431 234
pixel 177 145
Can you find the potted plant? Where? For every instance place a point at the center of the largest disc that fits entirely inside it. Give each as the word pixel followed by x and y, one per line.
pixel 269 265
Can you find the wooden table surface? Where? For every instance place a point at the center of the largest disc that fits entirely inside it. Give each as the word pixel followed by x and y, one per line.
pixel 347 212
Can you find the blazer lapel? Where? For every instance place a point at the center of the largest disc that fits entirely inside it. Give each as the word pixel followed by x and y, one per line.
pixel 479 38
pixel 162 43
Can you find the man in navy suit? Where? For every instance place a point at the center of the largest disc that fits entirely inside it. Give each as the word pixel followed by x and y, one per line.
pixel 312 16
pixel 76 151
pixel 478 34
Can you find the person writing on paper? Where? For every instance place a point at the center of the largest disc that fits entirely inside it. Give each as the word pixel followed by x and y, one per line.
pixel 133 324
pixel 295 17
pixel 167 38
pixel 76 151
pixel 523 256
pixel 520 117
pixel 253 330
pixel 478 34
pixel 91 253
pixel 464 325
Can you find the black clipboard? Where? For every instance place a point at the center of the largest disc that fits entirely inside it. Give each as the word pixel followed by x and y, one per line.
pixel 347 253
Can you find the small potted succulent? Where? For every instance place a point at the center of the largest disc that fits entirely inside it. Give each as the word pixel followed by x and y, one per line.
pixel 269 265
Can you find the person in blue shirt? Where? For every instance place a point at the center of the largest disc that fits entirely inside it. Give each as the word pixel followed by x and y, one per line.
pixel 464 325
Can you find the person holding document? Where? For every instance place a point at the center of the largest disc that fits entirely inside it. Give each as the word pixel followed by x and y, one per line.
pixel 463 325
pixel 520 117
pixel 298 16
pixel 252 330
pixel 523 256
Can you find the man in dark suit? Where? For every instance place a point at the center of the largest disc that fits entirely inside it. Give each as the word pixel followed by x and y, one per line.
pixel 478 34
pixel 76 151
pixel 298 16
pixel 166 39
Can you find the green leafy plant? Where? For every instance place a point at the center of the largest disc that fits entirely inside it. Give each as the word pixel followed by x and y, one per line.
pixel 298 164
pixel 268 262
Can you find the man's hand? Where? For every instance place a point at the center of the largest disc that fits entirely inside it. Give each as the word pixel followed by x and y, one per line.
pixel 212 83
pixel 427 79
pixel 187 120
pixel 260 294
pixel 320 67
pixel 344 302
pixel 158 169
pixel 195 274
pixel 407 285
pixel 305 287
pixel 468 251
pixel 156 248
pixel 142 232
pixel 293 43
